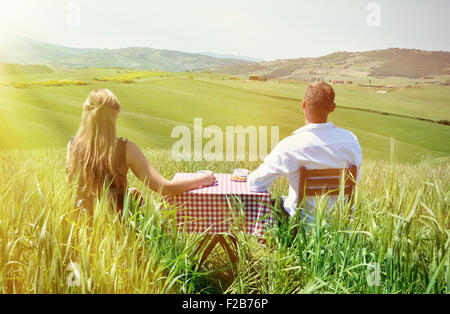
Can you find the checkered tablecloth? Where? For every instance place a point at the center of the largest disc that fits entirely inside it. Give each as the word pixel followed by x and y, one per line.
pixel 217 207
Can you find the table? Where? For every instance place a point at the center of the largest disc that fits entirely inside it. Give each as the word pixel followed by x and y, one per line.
pixel 214 210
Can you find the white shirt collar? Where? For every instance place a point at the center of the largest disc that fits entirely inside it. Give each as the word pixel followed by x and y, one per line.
pixel 314 126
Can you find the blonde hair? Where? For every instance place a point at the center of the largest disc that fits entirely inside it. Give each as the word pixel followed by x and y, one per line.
pixel 92 152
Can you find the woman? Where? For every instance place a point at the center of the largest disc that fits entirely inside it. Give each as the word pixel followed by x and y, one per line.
pixel 98 159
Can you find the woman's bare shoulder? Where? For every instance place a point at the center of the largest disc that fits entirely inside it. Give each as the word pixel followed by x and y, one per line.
pixel 133 151
pixel 136 159
pixel 131 146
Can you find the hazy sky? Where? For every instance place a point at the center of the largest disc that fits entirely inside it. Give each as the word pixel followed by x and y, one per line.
pixel 267 29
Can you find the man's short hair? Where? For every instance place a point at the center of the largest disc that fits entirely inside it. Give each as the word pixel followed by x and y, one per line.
pixel 319 98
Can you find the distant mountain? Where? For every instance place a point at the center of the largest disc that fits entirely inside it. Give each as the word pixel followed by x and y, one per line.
pixel 145 58
pixel 408 63
pixel 15 49
pixel 228 56
pixel 394 62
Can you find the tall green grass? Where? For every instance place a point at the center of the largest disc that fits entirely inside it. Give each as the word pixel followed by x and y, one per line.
pixel 400 227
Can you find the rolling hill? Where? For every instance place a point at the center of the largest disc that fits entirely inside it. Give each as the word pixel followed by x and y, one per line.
pixel 15 49
pixel 230 56
pixel 397 65
pixel 145 58
pixel 36 117
pixel 388 63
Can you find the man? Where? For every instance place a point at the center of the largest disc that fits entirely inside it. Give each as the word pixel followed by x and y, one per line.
pixel 317 145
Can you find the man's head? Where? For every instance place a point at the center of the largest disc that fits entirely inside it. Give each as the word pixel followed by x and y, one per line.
pixel 318 102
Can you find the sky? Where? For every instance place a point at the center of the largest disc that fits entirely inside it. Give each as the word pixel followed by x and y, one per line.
pixel 269 30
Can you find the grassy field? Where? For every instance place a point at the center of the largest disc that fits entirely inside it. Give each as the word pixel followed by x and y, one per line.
pixel 400 227
pixel 38 117
pixel 401 222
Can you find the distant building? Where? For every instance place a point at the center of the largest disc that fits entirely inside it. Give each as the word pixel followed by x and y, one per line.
pixel 371 86
pixel 350 82
pixel 335 82
pixel 253 77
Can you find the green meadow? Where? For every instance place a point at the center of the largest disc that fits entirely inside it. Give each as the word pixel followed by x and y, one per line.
pixel 38 117
pixel 401 219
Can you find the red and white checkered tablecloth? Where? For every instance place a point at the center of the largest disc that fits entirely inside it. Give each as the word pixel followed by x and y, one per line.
pixel 209 207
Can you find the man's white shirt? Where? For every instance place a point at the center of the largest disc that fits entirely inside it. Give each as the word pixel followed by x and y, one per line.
pixel 314 146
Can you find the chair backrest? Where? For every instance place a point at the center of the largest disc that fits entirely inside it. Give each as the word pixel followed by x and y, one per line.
pixel 325 181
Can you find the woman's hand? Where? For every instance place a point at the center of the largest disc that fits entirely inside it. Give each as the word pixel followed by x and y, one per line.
pixel 207 180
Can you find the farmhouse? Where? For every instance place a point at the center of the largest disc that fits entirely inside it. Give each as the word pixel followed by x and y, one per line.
pixel 253 77
pixel 336 82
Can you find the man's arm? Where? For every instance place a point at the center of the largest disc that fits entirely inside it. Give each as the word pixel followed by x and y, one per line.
pixel 359 159
pixel 278 163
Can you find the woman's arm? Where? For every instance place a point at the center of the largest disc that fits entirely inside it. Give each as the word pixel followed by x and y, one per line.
pixel 137 162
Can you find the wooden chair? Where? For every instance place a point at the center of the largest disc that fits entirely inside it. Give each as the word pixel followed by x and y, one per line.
pixel 326 181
